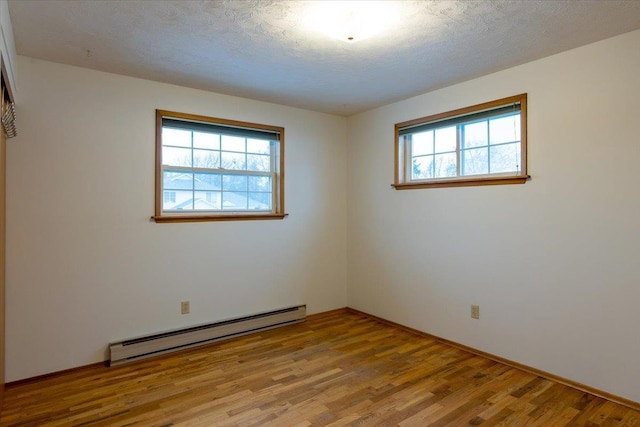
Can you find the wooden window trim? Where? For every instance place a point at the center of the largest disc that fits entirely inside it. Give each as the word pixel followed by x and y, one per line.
pixel 470 182
pixel 221 217
pixel 199 216
pixel 462 181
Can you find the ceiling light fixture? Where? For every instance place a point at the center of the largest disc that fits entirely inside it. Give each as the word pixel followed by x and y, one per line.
pixel 351 21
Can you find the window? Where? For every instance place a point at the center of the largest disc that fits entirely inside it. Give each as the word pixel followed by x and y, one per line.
pixel 169 196
pixel 484 144
pixel 211 169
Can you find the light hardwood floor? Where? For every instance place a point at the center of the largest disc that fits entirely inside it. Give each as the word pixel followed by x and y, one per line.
pixel 337 370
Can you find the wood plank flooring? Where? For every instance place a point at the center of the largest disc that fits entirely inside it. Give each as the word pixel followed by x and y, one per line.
pixel 340 370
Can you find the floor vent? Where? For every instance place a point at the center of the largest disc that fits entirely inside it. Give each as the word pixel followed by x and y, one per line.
pixel 166 342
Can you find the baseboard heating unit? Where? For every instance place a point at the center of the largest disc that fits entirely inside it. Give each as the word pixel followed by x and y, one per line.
pixel 193 336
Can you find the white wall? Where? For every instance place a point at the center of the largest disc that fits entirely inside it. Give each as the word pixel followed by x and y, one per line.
pixel 85 264
pixel 552 263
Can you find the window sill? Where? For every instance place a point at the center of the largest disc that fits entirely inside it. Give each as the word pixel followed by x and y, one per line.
pixel 211 218
pixel 462 182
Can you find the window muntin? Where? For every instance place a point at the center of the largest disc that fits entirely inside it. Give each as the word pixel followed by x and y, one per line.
pixel 483 144
pixel 210 169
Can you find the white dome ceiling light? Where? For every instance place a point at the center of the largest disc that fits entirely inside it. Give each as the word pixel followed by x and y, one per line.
pixel 351 21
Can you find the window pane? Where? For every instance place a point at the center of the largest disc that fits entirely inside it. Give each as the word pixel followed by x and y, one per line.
pixel 233 143
pixel 258 146
pixel 176 156
pixel 505 158
pixel 260 201
pixel 183 202
pixel 177 137
pixel 207 200
pixel 259 183
pixel 258 162
pixel 474 162
pixel 209 141
pixel 234 201
pixel 177 180
pixel 446 139
pixel 422 167
pixel 207 181
pixel 234 182
pixel 206 159
pixel 445 165
pixel 422 143
pixel 475 135
pixel 505 129
pixel 233 161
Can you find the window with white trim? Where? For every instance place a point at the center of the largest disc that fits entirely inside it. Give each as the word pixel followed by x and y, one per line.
pixel 480 145
pixel 211 169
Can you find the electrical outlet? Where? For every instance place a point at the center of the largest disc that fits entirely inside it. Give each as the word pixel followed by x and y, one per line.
pixel 475 311
pixel 184 307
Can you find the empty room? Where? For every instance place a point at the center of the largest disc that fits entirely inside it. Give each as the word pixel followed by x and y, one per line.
pixel 320 213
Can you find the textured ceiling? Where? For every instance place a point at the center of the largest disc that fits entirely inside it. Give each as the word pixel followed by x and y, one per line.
pixel 262 49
